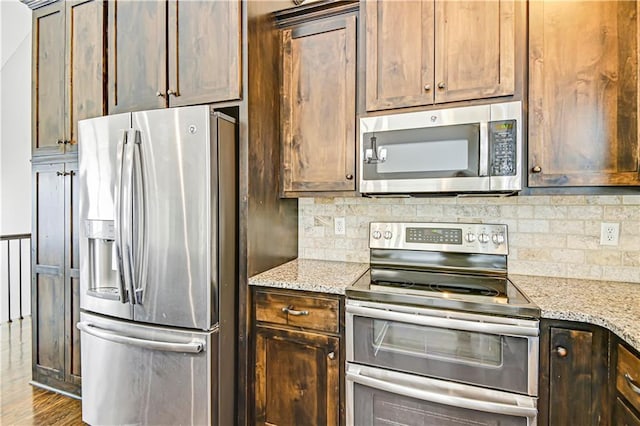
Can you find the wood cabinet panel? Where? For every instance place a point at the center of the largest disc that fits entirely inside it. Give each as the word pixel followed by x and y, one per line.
pixel 628 376
pixel 474 50
pixel 317 313
pixel 86 64
pixel 399 53
pixel 137 76
pixel 583 120
pixel 48 79
pixel 318 106
pixel 48 270
pixel 297 378
pixel 204 51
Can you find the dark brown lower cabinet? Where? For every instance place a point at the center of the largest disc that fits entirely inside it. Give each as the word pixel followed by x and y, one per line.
pixel 574 378
pixel 55 304
pixel 297 376
pixel 625 379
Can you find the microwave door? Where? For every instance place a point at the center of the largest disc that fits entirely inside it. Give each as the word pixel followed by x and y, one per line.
pixel 103 162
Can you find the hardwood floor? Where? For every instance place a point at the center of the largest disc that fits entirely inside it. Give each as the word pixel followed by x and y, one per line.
pixel 21 403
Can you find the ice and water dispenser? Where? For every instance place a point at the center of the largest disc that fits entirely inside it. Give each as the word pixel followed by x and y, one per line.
pixel 103 277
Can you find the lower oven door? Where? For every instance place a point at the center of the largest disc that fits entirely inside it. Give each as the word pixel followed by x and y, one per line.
pixel 487 351
pixel 383 397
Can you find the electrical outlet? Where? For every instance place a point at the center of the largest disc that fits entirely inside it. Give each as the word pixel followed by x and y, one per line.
pixel 609 234
pixel 339 226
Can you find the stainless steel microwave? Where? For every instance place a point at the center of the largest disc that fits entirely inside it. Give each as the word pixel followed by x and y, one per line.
pixel 474 149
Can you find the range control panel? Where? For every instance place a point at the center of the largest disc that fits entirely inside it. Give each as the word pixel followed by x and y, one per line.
pixel 437 236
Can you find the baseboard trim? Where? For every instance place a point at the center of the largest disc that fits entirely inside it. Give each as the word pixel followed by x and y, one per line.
pixel 52 389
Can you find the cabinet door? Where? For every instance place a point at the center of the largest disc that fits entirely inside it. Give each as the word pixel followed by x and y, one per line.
pixel 399 42
pixel 577 376
pixel 318 106
pixel 137 78
pixel 48 91
pixel 623 415
pixel 48 260
pixel 297 378
pixel 474 49
pixel 204 51
pixel 86 64
pixel 583 87
pixel 72 272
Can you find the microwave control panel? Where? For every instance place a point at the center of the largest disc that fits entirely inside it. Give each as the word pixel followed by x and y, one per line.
pixel 503 147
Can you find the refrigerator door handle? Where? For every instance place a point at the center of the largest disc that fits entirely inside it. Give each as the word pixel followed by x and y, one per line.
pixel 122 146
pixel 193 347
pixel 126 212
pixel 140 263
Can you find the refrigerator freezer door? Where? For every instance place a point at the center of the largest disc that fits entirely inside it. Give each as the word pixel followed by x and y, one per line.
pixel 101 286
pixel 137 374
pixel 173 218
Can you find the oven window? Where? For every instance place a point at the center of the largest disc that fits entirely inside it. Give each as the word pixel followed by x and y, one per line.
pixel 450 345
pixel 489 360
pixel 430 152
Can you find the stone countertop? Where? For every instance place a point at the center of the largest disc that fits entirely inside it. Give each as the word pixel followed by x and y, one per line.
pixel 312 275
pixel 609 304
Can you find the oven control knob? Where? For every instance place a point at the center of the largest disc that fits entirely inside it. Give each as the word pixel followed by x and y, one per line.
pixel 387 235
pixel 470 237
pixel 376 235
pixel 483 238
pixel 497 239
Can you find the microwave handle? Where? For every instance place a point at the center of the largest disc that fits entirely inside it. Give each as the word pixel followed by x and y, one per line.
pixel 484 149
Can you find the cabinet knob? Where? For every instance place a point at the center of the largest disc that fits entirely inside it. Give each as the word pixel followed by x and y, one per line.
pixel 60 142
pixel 427 87
pixel 635 386
pixel 172 93
pixel 159 94
pixel 331 355
pixel 64 173
pixel 536 169
pixel 561 351
pixel 441 85
pixel 349 176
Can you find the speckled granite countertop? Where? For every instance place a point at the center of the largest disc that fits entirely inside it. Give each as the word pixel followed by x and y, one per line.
pixel 612 305
pixel 312 275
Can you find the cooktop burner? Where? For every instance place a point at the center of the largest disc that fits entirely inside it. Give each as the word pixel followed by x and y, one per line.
pixel 412 264
pixel 461 291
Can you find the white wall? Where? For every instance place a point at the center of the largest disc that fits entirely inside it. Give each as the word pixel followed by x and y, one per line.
pixel 15 143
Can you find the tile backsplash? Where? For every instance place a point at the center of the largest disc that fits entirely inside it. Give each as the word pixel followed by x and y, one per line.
pixel 555 236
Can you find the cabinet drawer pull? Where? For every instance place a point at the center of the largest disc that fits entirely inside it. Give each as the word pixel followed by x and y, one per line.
pixel 561 351
pixel 427 87
pixel 441 85
pixel 60 142
pixel 172 93
pixel 536 169
pixel 290 311
pixel 632 383
pixel 159 94
pixel 331 355
pixel 349 176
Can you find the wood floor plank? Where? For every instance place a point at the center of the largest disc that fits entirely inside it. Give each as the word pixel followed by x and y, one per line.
pixel 23 404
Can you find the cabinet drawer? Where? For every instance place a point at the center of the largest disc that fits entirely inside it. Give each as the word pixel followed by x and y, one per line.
pixel 311 312
pixel 624 416
pixel 628 376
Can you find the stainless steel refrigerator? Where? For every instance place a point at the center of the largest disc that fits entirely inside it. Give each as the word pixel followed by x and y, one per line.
pixel 158 267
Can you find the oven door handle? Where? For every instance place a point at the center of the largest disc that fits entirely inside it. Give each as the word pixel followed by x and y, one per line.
pixel 442 392
pixel 442 322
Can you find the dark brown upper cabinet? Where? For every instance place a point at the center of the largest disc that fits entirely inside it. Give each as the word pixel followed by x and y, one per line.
pixel 68 72
pixel 318 106
pixel 425 52
pixel 173 53
pixel 583 94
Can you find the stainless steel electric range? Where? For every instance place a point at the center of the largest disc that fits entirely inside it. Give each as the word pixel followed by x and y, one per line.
pixel 437 334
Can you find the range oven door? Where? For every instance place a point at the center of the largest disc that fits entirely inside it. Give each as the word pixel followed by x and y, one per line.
pixel 488 351
pixel 383 397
